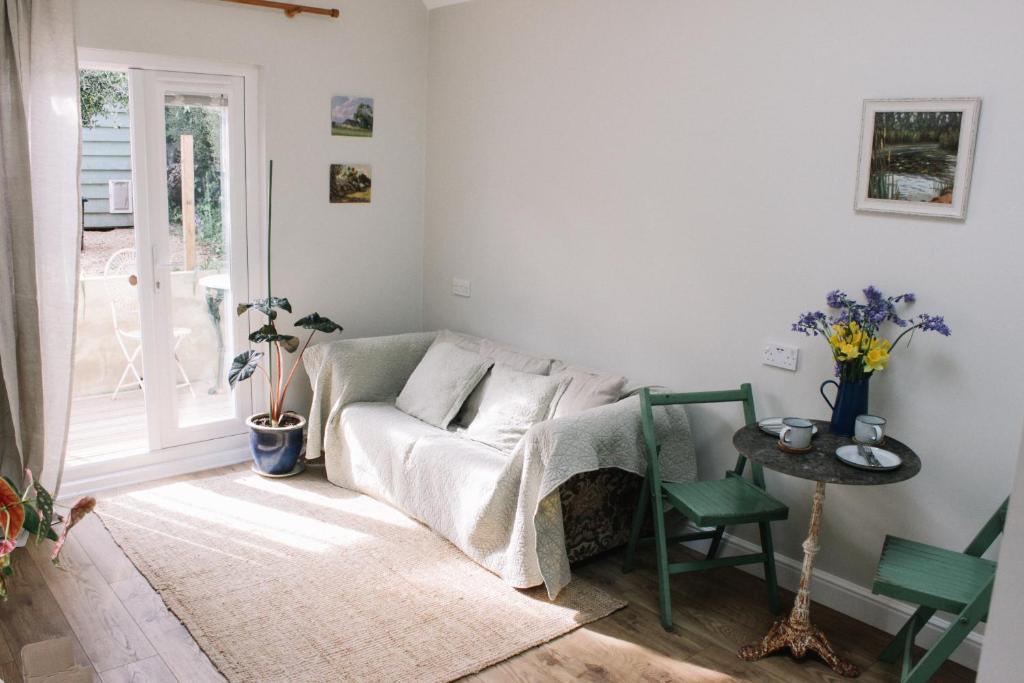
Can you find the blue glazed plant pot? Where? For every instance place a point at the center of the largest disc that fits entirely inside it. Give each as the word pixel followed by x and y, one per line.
pixel 851 401
pixel 275 450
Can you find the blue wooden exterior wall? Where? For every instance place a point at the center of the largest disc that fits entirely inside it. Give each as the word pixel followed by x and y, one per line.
pixel 106 155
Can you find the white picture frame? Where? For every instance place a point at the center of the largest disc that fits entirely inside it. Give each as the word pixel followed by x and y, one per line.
pixel 921 161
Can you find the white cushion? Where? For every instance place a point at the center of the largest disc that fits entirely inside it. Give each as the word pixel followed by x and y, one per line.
pixel 512 402
pixel 502 355
pixel 586 389
pixel 441 382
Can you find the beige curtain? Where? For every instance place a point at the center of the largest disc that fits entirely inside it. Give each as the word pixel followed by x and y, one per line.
pixel 39 233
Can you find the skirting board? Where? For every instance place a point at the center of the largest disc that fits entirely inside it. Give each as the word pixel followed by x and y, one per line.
pixel 154 471
pixel 850 599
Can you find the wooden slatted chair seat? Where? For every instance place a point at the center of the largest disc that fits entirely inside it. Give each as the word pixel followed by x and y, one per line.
pixel 724 502
pixel 937 579
pixel 934 577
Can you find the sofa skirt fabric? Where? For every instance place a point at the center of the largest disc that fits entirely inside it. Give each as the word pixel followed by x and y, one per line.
pixel 597 511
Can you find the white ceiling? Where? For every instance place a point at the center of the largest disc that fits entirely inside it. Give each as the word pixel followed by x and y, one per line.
pixel 434 4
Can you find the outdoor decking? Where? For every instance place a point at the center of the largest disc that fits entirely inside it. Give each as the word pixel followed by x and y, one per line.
pixel 104 429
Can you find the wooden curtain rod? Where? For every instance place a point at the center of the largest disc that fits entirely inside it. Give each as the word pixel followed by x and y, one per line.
pixel 289 8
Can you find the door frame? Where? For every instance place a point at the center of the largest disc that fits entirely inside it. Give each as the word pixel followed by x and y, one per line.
pixel 147 90
pixel 217 451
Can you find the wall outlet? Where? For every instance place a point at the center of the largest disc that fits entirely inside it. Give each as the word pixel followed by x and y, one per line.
pixel 781 356
pixel 461 287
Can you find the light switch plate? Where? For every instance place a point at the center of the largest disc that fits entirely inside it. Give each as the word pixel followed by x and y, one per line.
pixel 461 287
pixel 781 356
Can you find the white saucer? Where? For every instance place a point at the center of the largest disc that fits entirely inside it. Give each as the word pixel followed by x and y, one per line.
pixel 299 467
pixel 851 456
pixel 773 426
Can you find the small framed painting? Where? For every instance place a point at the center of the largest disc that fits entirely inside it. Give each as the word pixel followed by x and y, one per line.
pixel 352 116
pixel 916 156
pixel 351 183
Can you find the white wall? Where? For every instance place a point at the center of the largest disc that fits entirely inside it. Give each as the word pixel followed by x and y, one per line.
pixel 1000 660
pixel 361 265
pixel 659 188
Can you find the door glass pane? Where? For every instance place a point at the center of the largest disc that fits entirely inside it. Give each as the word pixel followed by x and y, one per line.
pixel 108 409
pixel 198 229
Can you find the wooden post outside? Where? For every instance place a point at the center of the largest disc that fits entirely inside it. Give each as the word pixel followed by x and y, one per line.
pixel 188 201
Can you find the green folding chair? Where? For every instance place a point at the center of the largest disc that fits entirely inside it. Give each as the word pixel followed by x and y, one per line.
pixel 937 579
pixel 715 503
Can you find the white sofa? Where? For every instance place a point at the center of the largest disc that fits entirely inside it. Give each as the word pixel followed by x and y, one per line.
pixel 503 509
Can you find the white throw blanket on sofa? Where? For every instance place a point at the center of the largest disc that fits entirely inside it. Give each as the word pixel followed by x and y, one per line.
pixel 502 511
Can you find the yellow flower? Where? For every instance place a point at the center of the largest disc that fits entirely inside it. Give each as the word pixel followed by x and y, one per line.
pixel 848 351
pixel 876 359
pixel 879 343
pixel 877 356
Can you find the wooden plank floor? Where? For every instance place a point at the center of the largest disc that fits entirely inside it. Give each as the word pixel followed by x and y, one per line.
pixel 121 628
pixel 104 428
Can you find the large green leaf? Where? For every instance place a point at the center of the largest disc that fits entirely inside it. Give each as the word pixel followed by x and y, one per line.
pixel 266 306
pixel 44 506
pixel 269 333
pixel 315 321
pixel 243 366
pixel 33 526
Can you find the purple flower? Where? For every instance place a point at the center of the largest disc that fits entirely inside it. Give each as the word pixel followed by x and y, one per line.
pixel 872 315
pixel 873 295
pixel 808 323
pixel 836 299
pixel 934 323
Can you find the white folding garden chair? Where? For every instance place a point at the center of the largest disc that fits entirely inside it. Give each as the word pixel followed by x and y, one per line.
pixel 120 276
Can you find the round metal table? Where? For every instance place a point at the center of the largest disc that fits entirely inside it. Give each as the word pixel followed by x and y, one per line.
pixel 821 466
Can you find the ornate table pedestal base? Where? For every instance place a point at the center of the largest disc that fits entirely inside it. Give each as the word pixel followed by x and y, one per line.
pixel 800 640
pixel 796 631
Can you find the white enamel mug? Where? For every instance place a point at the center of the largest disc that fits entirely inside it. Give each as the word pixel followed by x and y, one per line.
pixel 796 433
pixel 869 430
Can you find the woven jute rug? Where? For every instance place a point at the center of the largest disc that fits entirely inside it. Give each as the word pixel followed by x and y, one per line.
pixel 298 580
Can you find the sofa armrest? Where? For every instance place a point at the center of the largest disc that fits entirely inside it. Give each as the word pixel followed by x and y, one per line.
pixel 612 436
pixel 357 370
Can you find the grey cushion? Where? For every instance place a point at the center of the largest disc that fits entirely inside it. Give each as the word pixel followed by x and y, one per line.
pixel 463 341
pixel 441 382
pixel 586 389
pixel 517 360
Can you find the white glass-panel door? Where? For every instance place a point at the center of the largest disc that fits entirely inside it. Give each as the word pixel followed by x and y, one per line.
pixel 189 161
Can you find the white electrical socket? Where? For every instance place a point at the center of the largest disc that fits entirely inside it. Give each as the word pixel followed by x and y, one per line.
pixel 461 287
pixel 781 356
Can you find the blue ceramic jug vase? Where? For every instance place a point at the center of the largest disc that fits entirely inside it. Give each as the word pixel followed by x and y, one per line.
pixel 851 400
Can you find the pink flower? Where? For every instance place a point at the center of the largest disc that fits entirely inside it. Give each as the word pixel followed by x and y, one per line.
pixel 80 510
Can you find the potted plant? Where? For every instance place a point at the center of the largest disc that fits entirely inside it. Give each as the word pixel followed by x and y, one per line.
pixel 854 335
pixel 275 437
pixel 27 515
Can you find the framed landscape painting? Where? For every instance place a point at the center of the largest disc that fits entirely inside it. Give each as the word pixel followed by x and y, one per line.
pixel 352 116
pixel 351 183
pixel 916 156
